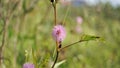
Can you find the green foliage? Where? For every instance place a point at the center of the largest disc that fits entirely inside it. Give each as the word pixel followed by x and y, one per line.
pixel 89 37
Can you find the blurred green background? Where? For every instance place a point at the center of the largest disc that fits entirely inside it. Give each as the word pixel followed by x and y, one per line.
pixel 29 27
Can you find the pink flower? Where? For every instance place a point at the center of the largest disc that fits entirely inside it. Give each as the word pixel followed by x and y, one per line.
pixel 78 29
pixel 58 33
pixel 28 65
pixel 65 2
pixel 79 20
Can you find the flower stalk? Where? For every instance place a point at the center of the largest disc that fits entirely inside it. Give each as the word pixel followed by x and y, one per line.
pixel 54 2
pixel 55 13
pixel 56 58
pixel 55 22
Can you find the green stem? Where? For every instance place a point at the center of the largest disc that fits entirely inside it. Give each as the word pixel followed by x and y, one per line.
pixel 55 59
pixel 71 44
pixel 55 21
pixel 55 13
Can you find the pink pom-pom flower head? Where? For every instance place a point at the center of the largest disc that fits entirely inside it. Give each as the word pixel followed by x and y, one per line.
pixel 58 33
pixel 79 20
pixel 28 65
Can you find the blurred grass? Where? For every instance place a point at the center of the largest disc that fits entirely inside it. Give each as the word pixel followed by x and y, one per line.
pixel 33 31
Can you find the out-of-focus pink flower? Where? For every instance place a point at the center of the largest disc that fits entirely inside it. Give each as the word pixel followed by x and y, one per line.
pixel 58 33
pixel 79 20
pixel 28 65
pixel 65 2
pixel 78 29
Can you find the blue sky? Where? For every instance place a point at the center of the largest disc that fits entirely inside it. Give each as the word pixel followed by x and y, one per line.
pixel 113 2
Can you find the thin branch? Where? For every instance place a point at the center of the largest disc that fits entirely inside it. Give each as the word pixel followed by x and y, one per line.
pixel 3 19
pixel 71 44
pixel 76 43
pixel 1 31
pixel 4 38
pixel 4 32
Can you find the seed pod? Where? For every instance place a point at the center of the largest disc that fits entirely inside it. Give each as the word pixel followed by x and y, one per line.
pixel 60 44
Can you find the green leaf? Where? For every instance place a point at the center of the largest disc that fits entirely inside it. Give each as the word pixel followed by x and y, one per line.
pixel 89 37
pixel 59 63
